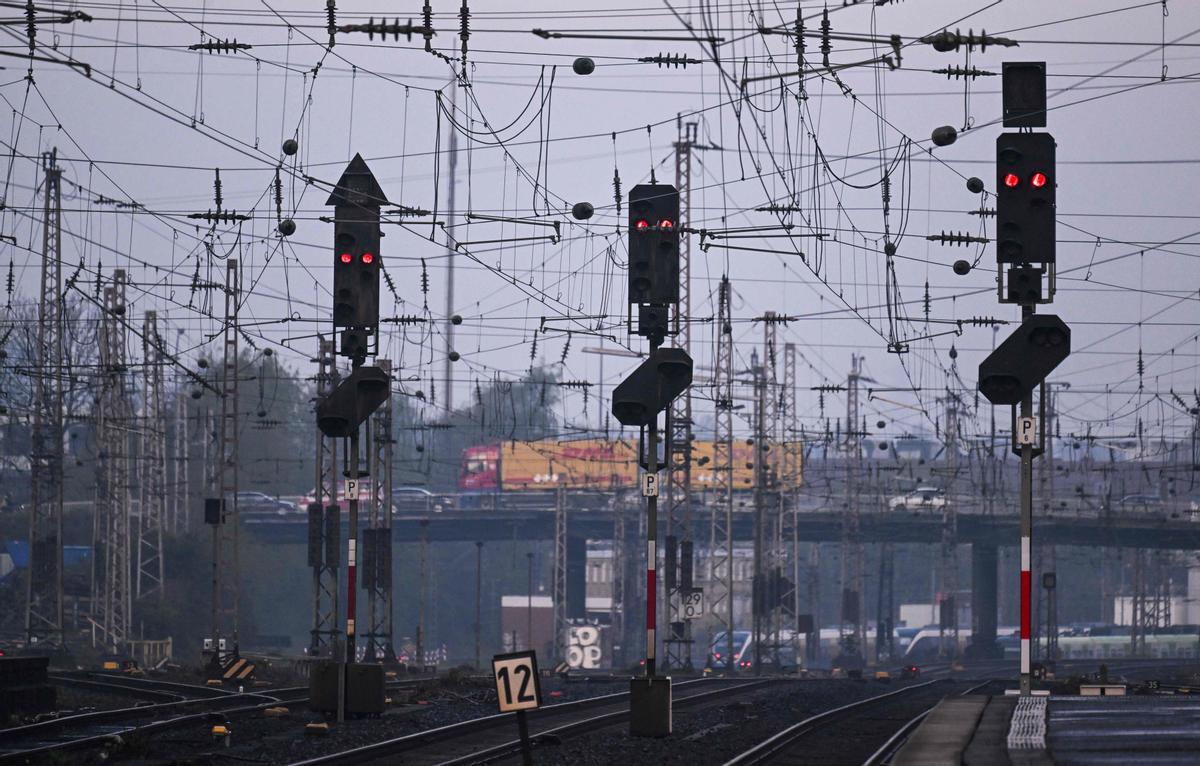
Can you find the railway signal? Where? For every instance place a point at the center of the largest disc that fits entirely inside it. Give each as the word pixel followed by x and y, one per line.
pixel 1025 197
pixel 356 258
pixel 650 388
pixel 1024 359
pixel 353 401
pixel 356 199
pixel 654 244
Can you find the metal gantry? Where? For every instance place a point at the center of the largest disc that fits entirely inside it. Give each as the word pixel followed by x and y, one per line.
pixel 152 487
pixel 325 553
pixel 44 581
pixel 678 644
pixel 226 555
pixel 378 578
pixel 720 546
pixel 112 610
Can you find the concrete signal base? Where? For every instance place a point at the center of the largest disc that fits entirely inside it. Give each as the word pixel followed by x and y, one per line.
pixel 650 707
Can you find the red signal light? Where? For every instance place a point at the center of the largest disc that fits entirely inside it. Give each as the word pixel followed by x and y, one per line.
pixel 367 258
pixel 1011 180
pixel 345 258
pixel 1038 180
pixel 641 224
pixel 666 224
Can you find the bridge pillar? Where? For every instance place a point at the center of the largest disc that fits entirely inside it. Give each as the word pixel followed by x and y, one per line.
pixel 984 602
pixel 576 577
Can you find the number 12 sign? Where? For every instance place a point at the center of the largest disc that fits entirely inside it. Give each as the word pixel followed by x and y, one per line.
pixel 517 684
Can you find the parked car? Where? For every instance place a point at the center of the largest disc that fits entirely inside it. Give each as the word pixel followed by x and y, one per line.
pixel 262 504
pixel 920 499
pixel 410 499
pixel 1141 502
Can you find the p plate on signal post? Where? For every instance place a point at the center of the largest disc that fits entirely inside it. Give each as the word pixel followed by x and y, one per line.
pixel 649 484
pixel 518 689
pixel 1026 430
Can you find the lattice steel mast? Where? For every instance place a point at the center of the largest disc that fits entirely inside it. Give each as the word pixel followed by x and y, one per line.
pixel 324 524
pixel 720 548
pixel 678 645
pixel 181 516
pixel 377 577
pixel 44 581
pixel 852 631
pixel 559 579
pixel 152 487
pixel 948 616
pixel 113 443
pixel 226 563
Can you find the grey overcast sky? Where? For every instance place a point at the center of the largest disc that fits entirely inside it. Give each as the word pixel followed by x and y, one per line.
pixel 155 119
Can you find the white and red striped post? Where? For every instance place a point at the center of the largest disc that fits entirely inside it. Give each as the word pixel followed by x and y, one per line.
pixel 1026 610
pixel 1026 541
pixel 651 467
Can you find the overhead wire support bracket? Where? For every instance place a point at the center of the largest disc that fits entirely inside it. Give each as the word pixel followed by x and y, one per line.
pixel 895 41
pixel 85 68
pixel 552 238
pixel 891 63
pixel 64 17
pixel 506 219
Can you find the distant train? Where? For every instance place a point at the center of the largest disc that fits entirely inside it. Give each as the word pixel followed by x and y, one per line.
pixel 925 644
pixel 597 464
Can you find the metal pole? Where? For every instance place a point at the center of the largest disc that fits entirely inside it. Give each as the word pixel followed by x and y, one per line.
pixel 758 583
pixel 478 596
pixel 448 328
pixel 1026 540
pixel 421 597
pixel 529 603
pixel 352 549
pixel 651 467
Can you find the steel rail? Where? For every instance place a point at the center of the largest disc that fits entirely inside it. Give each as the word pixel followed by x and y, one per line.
pixel 889 748
pixel 594 723
pixel 388 747
pixel 764 751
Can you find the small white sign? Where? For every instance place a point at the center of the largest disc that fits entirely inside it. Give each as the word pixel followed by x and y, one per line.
pixel 1026 430
pixel 649 485
pixel 517 683
pixel 351 489
pixel 692 603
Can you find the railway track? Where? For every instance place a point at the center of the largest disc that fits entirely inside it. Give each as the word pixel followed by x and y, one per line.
pixel 815 741
pixel 133 686
pixel 35 743
pixel 490 738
